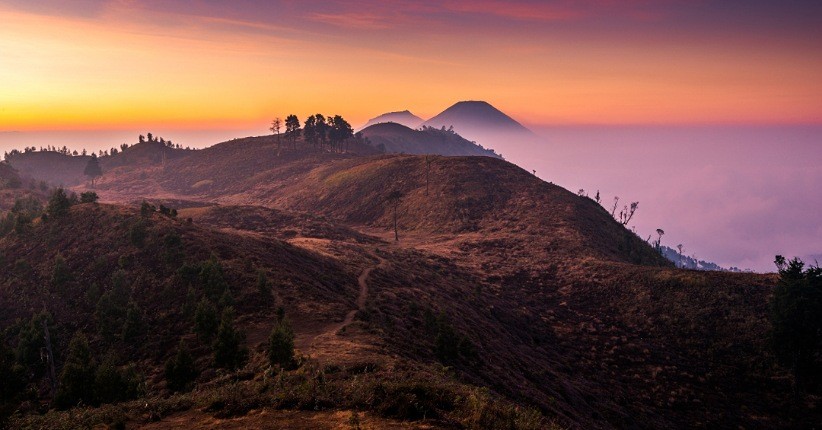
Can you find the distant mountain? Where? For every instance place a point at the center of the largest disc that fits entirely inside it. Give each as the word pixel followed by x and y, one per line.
pixel 687 262
pixel 405 118
pixel 397 138
pixel 472 119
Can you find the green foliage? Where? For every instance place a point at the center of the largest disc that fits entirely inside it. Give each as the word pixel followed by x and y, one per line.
pixel 133 326
pixel 796 334
pixel 450 345
pixel 93 169
pixel 205 320
pixel 212 279
pixel 137 234
pixel 30 342
pixel 180 370
pixel 172 248
pixel 89 197
pixel 146 209
pixel 228 350
pixel 281 345
pixel 115 384
pixel 60 275
pixel 78 374
pixel 59 204
pixel 112 308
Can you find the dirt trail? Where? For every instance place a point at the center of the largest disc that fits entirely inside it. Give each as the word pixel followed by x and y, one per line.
pixel 331 333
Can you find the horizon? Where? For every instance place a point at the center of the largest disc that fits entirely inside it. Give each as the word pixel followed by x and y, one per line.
pixel 96 73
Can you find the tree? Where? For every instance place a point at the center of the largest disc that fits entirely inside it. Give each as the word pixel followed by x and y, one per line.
pixel 660 232
pixel 89 197
pixel 77 377
pixel 796 332
pixel 679 247
pixel 281 344
pixel 275 128
pixel 394 199
pixel 61 274
pixel 310 130
pixel 180 370
pixel 59 204
pixel 321 128
pixel 292 129
pixel 115 384
pixel 228 350
pixel 150 137
pixel 339 130
pixel 141 139
pixel 93 170
pixel 205 320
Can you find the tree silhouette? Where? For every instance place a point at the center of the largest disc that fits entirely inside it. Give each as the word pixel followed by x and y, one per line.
pixel 310 130
pixel 339 131
pixel 679 247
pixel 292 129
pixel 660 232
pixel 275 128
pixel 321 127
pixel 93 169
pixel 394 199
pixel 796 334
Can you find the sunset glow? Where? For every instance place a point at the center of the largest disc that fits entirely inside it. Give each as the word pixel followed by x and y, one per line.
pixel 114 64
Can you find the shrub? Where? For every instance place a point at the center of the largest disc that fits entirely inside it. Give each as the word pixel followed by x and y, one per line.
pixel 281 345
pixel 89 197
pixel 59 204
pixel 228 350
pixel 205 320
pixel 114 384
pixel 180 370
pixel 77 377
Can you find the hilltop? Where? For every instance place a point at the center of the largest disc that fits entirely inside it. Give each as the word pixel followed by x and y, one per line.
pixel 506 300
pixel 395 138
pixel 476 118
pixel 405 118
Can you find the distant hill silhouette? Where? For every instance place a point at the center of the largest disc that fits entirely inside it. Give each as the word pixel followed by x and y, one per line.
pixel 405 118
pixel 397 138
pixel 58 169
pixel 474 118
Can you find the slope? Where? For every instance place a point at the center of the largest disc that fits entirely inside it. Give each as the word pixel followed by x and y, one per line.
pixel 396 138
pixel 405 118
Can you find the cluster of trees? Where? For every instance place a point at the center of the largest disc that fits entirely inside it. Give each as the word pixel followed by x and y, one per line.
pixel 318 130
pixel 27 209
pixel 149 137
pixel 796 335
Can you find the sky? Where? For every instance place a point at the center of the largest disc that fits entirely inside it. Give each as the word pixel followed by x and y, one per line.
pixel 656 88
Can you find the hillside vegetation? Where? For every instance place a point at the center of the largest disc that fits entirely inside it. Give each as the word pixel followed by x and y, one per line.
pixel 507 302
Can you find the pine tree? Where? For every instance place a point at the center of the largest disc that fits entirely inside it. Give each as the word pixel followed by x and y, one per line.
pixel 77 377
pixel 93 170
pixel 205 320
pixel 180 370
pixel 281 345
pixel 228 350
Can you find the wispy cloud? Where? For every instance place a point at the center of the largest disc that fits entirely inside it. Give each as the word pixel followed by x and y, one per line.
pixel 354 20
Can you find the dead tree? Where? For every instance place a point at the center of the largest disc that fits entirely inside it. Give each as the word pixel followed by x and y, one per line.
pixel 393 199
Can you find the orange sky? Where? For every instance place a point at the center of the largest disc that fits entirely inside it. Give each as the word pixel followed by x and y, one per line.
pixel 109 64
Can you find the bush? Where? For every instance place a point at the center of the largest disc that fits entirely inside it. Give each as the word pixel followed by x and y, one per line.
pixel 205 320
pixel 59 203
pixel 77 377
pixel 180 371
pixel 114 384
pixel 281 345
pixel 89 197
pixel 228 350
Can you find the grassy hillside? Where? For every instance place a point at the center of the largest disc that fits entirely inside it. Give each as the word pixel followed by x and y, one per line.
pixel 395 138
pixel 507 303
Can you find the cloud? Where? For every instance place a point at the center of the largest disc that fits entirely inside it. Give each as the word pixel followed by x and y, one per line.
pixel 353 20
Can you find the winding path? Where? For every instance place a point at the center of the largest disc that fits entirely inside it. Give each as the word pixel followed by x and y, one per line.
pixel 362 297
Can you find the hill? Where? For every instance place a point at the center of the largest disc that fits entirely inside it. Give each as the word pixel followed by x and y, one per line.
pixel 508 302
pixel 396 138
pixel 405 118
pixel 64 169
pixel 473 119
